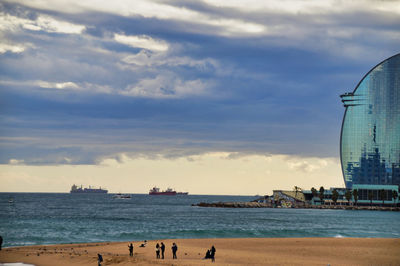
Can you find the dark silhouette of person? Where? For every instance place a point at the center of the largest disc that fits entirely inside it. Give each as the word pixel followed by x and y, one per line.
pixel 99 259
pixel 143 244
pixel 162 250
pixel 212 253
pixel 174 250
pixel 1 241
pixel 130 249
pixel 158 251
pixel 208 254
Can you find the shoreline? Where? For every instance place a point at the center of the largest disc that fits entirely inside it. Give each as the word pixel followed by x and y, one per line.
pixel 338 236
pixel 230 251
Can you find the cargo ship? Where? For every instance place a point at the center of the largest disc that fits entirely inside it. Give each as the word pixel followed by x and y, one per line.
pixel 76 189
pixel 169 191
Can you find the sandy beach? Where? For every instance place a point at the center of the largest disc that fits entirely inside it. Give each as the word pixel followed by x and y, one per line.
pixel 246 251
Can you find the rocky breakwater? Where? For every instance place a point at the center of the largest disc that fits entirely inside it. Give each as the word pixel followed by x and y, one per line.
pixel 233 205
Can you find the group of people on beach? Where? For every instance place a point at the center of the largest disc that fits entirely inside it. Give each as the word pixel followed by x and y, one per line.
pixel 160 249
pixel 210 254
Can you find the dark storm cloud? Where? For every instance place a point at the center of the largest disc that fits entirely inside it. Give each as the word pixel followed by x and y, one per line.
pixel 77 87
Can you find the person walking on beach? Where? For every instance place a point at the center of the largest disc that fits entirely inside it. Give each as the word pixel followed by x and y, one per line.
pixel 157 251
pixel 162 250
pixel 130 249
pixel 174 250
pixel 1 242
pixel 99 259
pixel 212 253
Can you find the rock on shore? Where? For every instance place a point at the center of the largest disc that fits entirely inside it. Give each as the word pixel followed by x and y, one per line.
pixel 234 205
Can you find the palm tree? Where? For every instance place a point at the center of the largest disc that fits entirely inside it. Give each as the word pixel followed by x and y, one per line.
pixel 335 196
pixel 395 195
pixel 348 196
pixel 355 195
pixel 321 194
pixel 382 195
pixel 296 189
pixel 314 192
pixel 370 196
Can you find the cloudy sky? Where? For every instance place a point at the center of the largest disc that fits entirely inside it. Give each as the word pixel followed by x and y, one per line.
pixel 213 97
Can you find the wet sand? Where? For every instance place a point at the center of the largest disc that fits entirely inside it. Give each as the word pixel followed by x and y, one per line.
pixel 245 251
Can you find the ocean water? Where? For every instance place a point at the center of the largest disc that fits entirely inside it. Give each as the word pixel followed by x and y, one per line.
pixel 43 218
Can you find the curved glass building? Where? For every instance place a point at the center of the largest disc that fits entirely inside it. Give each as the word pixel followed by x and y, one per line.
pixel 370 137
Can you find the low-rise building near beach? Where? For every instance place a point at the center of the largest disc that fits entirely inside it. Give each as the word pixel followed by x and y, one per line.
pixel 371 195
pixel 376 194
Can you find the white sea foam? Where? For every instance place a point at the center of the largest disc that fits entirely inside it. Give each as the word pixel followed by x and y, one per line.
pixel 15 264
pixel 338 236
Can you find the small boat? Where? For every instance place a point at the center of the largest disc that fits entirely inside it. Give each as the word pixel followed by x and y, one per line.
pixel 122 196
pixel 10 200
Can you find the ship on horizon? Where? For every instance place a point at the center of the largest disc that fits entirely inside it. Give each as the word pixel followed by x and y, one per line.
pixel 76 189
pixel 169 192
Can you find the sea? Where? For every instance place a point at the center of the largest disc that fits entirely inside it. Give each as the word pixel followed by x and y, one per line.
pixel 47 218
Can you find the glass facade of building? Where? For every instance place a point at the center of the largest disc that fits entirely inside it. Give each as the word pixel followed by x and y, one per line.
pixel 370 137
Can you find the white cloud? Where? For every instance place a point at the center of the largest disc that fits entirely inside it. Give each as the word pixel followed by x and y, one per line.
pixel 149 59
pixel 306 16
pixel 61 85
pixel 142 41
pixel 306 165
pixel 67 160
pixel 11 23
pixel 282 6
pixel 15 161
pixel 51 24
pixel 306 6
pixel 115 161
pixel 312 25
pixel 150 9
pixel 162 86
pixel 166 86
pixel 234 26
pixel 13 48
pixel 82 86
pixel 41 23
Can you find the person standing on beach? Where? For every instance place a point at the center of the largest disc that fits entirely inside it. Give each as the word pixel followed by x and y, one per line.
pixel 1 242
pixel 174 250
pixel 130 249
pixel 99 259
pixel 212 253
pixel 157 251
pixel 162 250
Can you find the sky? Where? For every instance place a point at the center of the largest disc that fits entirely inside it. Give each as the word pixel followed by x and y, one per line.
pixel 210 97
